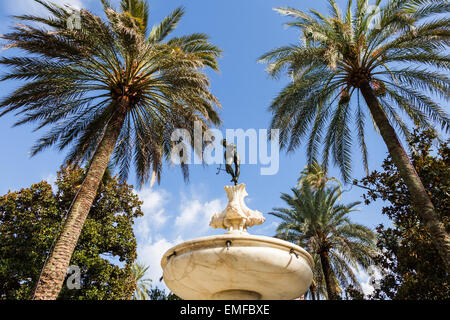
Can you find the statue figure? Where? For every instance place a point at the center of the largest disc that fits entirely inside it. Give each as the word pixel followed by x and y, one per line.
pixel 232 157
pixel 236 217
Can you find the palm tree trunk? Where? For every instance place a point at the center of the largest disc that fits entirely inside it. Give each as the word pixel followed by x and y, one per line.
pixel 328 275
pixel 313 292
pixel 54 271
pixel 419 197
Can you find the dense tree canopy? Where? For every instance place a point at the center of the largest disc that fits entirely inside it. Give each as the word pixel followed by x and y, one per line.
pixel 413 268
pixel 30 219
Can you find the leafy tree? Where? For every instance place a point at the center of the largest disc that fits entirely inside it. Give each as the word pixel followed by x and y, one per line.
pixel 411 263
pixel 352 293
pixel 160 294
pixel 142 283
pixel 111 93
pixel 31 218
pixel 400 64
pixel 316 221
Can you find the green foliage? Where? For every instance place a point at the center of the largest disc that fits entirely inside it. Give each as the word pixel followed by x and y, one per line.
pixel 160 294
pixel 77 81
pixel 413 268
pixel 30 219
pixel 352 293
pixel 403 57
pixel 316 221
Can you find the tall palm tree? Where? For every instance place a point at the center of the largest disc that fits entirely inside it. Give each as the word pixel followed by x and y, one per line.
pixel 315 220
pixel 142 284
pixel 394 56
pixel 111 93
pixel 315 175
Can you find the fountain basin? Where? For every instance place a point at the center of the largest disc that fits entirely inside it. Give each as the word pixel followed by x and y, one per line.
pixel 237 266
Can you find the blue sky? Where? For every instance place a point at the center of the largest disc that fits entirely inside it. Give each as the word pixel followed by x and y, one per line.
pixel 175 211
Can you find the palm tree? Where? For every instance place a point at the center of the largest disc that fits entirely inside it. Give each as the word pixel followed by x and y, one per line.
pixel 142 284
pixel 315 175
pixel 318 287
pixel 111 93
pixel 399 64
pixel 314 220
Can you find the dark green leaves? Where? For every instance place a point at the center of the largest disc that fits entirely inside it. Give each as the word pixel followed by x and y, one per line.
pixel 30 219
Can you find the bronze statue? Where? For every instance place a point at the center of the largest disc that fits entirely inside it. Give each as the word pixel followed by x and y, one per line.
pixel 231 156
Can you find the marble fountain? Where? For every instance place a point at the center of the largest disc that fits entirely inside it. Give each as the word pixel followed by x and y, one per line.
pixel 237 265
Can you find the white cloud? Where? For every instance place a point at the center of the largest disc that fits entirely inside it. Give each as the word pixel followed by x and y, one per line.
pixel 151 253
pixel 189 213
pixel 154 200
pixel 367 288
pixel 154 211
pixel 266 228
pixel 196 213
pixel 32 7
pixel 155 233
pixel 365 280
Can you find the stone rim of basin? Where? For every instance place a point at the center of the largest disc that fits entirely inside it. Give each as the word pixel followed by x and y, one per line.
pixel 237 265
pixel 242 239
pixel 248 268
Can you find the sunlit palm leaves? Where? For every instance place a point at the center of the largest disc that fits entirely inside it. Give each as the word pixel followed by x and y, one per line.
pixel 77 81
pixel 143 284
pixel 315 175
pixel 399 47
